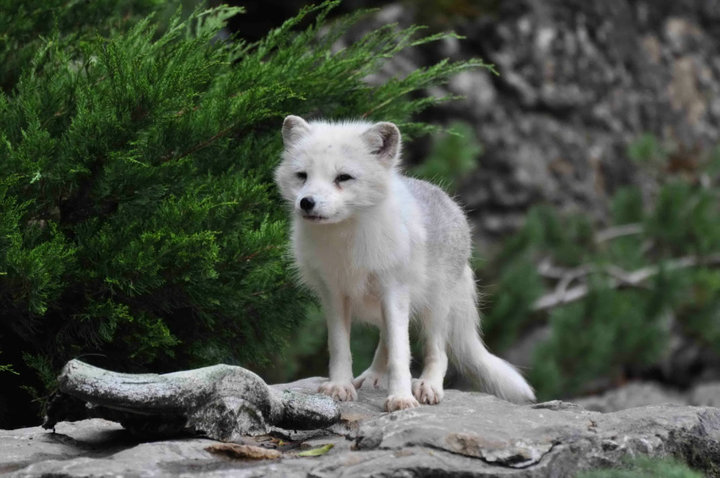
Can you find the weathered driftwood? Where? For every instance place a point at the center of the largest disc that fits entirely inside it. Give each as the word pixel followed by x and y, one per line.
pixel 222 402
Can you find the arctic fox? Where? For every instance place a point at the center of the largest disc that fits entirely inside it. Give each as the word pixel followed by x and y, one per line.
pixel 381 247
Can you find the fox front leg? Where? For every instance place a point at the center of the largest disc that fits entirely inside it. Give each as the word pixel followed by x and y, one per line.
pixel 337 315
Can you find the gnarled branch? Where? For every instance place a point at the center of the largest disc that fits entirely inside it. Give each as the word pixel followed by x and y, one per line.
pixel 223 402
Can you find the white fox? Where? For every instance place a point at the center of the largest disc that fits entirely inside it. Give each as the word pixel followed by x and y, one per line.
pixel 381 247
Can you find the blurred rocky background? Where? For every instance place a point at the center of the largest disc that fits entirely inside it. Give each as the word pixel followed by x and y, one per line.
pixel 578 84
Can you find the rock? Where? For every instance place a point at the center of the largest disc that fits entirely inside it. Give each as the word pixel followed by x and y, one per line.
pixel 634 394
pixel 639 394
pixel 223 402
pixel 707 394
pixel 469 434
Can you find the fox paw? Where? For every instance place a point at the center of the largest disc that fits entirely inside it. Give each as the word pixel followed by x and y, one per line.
pixel 370 377
pixel 343 392
pixel 400 402
pixel 427 392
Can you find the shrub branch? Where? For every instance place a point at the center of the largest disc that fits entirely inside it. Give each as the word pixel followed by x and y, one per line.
pixel 563 294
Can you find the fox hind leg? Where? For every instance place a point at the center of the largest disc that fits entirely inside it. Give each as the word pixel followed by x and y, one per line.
pixel 396 321
pixel 375 375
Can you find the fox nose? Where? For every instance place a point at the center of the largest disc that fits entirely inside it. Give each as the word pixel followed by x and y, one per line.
pixel 307 203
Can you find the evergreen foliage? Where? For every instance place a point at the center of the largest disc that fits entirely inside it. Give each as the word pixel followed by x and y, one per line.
pixel 138 219
pixel 453 154
pixel 644 467
pixel 651 272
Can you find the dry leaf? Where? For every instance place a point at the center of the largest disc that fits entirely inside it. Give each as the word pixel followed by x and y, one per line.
pixel 251 452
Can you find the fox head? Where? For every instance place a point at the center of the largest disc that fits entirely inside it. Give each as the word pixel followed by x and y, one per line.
pixel 331 171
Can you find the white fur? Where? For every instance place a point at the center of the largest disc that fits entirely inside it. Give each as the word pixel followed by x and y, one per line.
pixel 383 248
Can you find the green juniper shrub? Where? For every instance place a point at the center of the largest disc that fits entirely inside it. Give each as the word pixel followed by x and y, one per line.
pixel 453 154
pixel 139 227
pixel 26 26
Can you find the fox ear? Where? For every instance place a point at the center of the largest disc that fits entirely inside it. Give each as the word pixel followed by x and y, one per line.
pixel 383 140
pixel 293 128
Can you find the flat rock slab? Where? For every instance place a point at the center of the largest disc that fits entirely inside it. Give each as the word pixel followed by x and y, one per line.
pixel 472 434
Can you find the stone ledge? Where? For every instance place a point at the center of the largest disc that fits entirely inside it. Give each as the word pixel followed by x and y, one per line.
pixel 470 433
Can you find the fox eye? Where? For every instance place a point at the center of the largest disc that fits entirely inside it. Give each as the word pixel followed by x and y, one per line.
pixel 301 175
pixel 343 177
